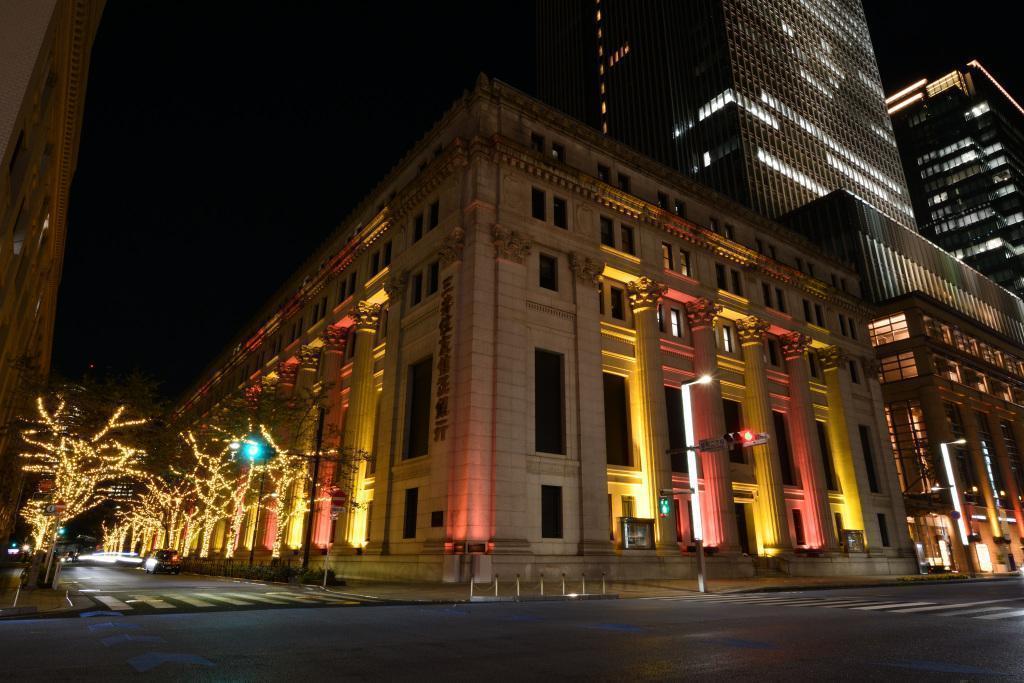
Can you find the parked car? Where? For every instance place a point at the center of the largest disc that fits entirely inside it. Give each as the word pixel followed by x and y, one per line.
pixel 163 561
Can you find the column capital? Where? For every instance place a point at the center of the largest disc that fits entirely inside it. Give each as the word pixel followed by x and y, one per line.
pixel 451 249
pixel 287 370
pixel 702 312
pixel 366 315
pixel 394 286
pixel 794 344
pixel 334 338
pixel 308 356
pixel 752 330
pixel 509 245
pixel 832 357
pixel 585 269
pixel 644 293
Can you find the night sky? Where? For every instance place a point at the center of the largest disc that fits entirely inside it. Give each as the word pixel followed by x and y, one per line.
pixel 222 143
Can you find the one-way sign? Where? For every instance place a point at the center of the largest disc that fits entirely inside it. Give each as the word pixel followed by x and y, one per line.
pixel 711 444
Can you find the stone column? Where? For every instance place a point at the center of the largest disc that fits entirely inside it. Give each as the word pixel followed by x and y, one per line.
pixel 332 358
pixel 589 412
pixel 973 436
pixel 820 530
pixel 655 464
pixel 835 364
pixel 771 503
pixel 718 510
pixel 357 432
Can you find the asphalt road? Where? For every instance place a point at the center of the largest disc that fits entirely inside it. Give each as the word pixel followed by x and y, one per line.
pixel 939 632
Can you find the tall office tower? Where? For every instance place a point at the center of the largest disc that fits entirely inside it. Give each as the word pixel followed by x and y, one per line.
pixel 44 61
pixel 773 103
pixel 961 138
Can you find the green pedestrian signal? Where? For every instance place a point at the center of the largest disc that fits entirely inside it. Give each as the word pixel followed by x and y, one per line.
pixel 664 507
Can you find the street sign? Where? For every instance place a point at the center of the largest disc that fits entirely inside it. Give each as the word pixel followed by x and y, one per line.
pixel 339 499
pixel 711 444
pixel 60 506
pixel 50 509
pixel 45 485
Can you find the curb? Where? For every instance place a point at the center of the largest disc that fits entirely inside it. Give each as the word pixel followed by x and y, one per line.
pixel 843 586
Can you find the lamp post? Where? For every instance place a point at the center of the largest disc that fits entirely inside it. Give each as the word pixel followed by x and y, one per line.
pixel 691 466
pixel 954 494
pixel 255 448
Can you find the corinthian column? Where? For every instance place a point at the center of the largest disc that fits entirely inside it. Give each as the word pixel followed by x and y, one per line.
pixel 332 356
pixel 357 432
pixel 718 511
pixel 644 295
pixel 820 532
pixel 771 504
pixel 837 381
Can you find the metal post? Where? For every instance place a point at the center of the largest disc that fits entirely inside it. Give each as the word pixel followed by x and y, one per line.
pixel 495 585
pixel 471 589
pixel 542 584
pixel 334 518
pixel 310 515
pixel 256 523
pixel 602 583
pixel 701 584
pixel 517 586
pixel 584 589
pixel 563 583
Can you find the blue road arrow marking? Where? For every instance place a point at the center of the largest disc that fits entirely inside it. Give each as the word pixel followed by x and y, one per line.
pixel 101 613
pixel 109 624
pixel 125 638
pixel 151 660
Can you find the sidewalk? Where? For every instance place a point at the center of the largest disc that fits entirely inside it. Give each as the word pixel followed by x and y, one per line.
pixel 447 592
pixel 37 600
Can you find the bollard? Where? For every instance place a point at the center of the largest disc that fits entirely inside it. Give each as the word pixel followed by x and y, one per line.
pixel 517 586
pixel 602 583
pixel 583 576
pixel 542 584
pixel 563 583
pixel 471 589
pixel 496 585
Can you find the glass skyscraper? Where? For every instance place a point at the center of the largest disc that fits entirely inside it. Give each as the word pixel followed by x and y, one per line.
pixel 961 138
pixel 773 102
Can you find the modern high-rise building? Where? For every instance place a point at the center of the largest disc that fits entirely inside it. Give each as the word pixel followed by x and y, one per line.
pixel 961 138
pixel 773 103
pixel 44 63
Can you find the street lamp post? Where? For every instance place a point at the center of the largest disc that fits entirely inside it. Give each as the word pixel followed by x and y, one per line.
pixel 691 466
pixel 954 494
pixel 256 522
pixel 310 514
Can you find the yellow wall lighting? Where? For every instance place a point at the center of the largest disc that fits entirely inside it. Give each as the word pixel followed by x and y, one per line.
pixel 906 91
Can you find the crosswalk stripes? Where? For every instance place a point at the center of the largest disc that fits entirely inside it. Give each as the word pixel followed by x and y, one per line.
pixel 189 600
pixel 1004 615
pixel 112 602
pixel 938 608
pixel 153 601
pixel 212 599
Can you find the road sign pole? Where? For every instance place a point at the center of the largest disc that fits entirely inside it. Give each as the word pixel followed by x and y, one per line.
pixel 334 518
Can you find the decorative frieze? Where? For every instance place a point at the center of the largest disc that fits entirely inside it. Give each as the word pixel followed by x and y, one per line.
pixel 794 344
pixel 644 293
pixel 509 245
pixel 586 269
pixel 451 249
pixel 702 313
pixel 752 330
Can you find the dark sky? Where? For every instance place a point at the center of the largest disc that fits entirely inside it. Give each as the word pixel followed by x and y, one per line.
pixel 222 142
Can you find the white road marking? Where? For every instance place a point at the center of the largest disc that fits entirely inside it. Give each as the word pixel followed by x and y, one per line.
pixel 889 605
pixel 859 603
pixel 153 601
pixel 112 602
pixel 222 598
pixel 258 598
pixel 1005 615
pixel 937 608
pixel 195 602
pixel 975 610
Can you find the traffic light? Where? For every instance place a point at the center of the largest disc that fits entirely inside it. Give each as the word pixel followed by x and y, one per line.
pixel 60 531
pixel 664 507
pixel 746 437
pixel 256 449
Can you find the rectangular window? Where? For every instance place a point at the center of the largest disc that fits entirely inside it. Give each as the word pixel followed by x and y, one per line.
pixel 679 208
pixel 626 234
pixel 385 259
pixel 900 366
pixel 604 174
pixel 733 423
pixel 417 228
pixel 374 263
pixel 888 330
pixel 766 294
pixel 812 363
pixel 560 214
pixel 819 315
pixel 412 499
pixel 730 232
pixel 433 276
pixel 677 322
pixel 676 428
pixel 352 284
pixel 616 421
pixel 624 182
pixel 714 225
pixel 773 352
pixel 549 272
pixel 869 458
pixel 720 279
pixel 666 256
pixel 551 511
pixel 826 456
pixel 807 311
pixel 780 300
pixel 661 318
pixel 435 215
pixel 785 451
pixel 842 324
pixel 737 282
pixel 798 528
pixel 538 201
pixel 663 201
pixel 618 303
pixel 418 409
pixel 684 262
pixel 727 339
pixel 883 530
pixel 549 401
pixel 628 506
pixel 537 142
pixel 854 375
pixel 557 152
pixel 607 232
pixel 758 245
pixel 417 288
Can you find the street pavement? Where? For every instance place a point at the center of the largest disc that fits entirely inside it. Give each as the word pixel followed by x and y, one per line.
pixel 958 632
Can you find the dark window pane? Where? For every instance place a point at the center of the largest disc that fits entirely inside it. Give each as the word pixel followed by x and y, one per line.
pixel 607 232
pixel 549 402
pixel 560 213
pixel 617 302
pixel 538 204
pixel 418 409
pixel 676 428
pixel 435 214
pixel 733 423
pixel 627 240
pixel 785 452
pixel 551 511
pixel 412 497
pixel 826 457
pixel 549 272
pixel 720 280
pixel 616 421
pixel 798 528
pixel 883 529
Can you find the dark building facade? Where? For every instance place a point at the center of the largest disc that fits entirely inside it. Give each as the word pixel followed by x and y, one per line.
pixel 775 104
pixel 961 140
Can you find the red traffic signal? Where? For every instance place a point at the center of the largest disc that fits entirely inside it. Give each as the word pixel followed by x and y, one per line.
pixel 746 437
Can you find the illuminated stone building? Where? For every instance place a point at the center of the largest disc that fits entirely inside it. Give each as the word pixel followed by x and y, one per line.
pixel 44 62
pixel 509 331
pixel 772 102
pixel 961 138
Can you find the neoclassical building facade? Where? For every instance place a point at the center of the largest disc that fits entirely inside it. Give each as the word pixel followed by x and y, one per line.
pixel 505 325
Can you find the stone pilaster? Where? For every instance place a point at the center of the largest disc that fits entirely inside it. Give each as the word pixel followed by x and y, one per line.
pixel 589 413
pixel 821 531
pixel 757 412
pixel 649 398
pixel 988 496
pixel 835 364
pixel 718 511
pixel 1005 472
